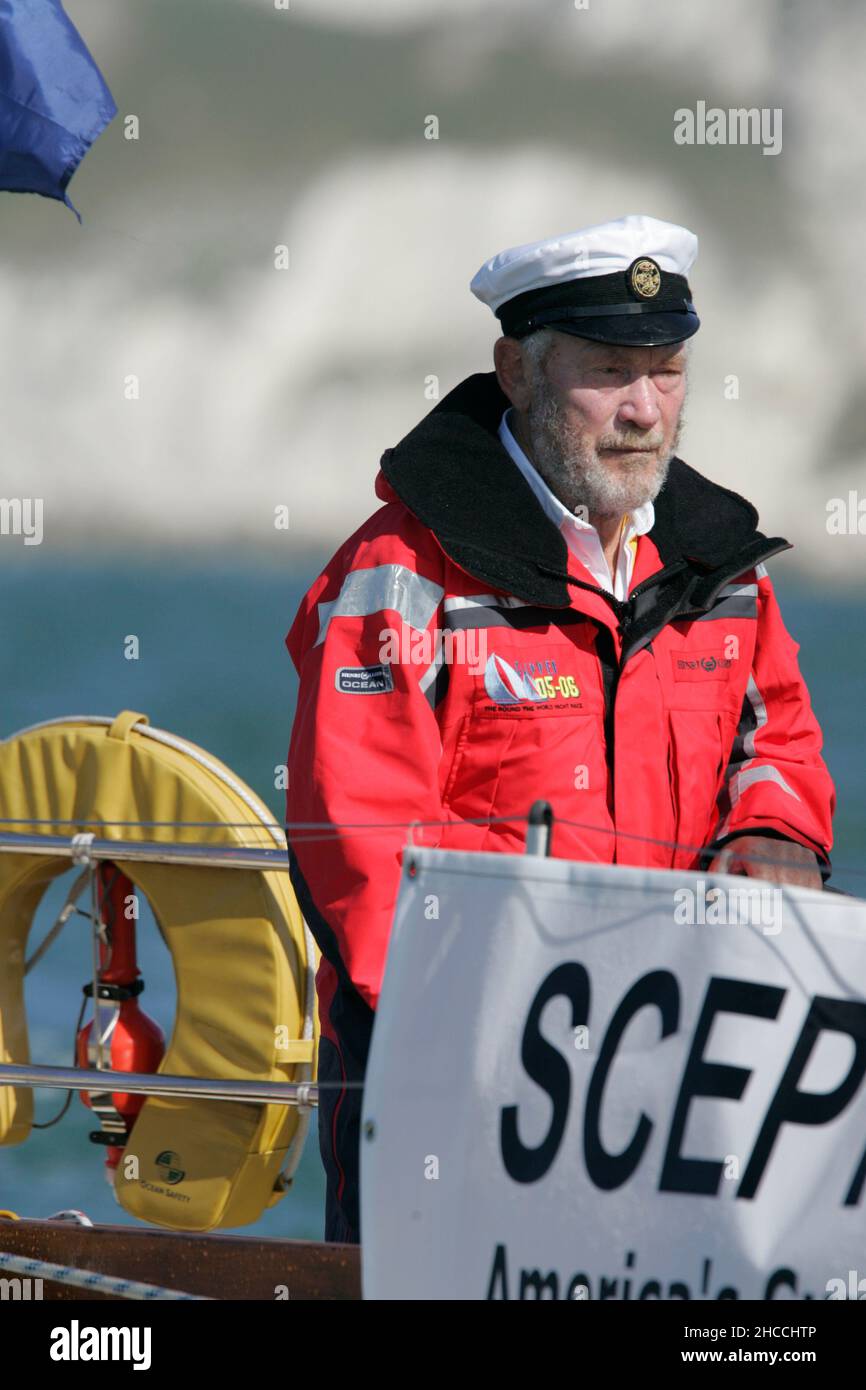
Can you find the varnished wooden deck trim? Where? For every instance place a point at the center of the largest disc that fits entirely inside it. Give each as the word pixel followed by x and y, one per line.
pixel 220 1266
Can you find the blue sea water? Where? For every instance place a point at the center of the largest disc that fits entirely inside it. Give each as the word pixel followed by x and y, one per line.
pixel 213 668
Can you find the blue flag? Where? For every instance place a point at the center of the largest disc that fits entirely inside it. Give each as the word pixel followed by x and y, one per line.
pixel 53 99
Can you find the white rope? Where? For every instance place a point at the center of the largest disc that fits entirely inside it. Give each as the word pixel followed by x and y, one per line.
pixel 88 1279
pixel 171 741
pixel 181 746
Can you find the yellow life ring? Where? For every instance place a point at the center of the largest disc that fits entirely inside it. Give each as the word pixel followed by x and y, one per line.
pixel 243 957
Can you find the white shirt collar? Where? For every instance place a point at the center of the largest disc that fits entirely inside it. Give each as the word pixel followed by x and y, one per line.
pixel 581 536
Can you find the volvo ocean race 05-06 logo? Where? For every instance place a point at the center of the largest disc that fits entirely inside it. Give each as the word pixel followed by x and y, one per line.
pixel 535 681
pixel 504 685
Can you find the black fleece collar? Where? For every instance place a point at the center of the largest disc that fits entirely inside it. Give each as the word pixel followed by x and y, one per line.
pixel 454 474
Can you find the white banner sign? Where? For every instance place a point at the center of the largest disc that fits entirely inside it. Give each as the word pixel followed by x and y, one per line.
pixel 595 1082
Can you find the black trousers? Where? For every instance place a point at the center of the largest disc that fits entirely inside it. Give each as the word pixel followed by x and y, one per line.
pixel 340 1140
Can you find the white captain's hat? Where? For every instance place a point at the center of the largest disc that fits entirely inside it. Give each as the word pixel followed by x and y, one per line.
pixel 618 282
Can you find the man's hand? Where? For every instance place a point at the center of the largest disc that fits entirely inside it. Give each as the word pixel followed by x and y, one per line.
pixel 794 864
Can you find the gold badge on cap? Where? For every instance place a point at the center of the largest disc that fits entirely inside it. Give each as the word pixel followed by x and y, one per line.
pixel 645 277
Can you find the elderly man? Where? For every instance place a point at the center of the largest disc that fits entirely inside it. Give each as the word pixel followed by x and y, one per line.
pixel 548 604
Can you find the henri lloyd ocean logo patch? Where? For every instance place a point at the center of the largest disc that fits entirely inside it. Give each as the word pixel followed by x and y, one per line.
pixel 364 680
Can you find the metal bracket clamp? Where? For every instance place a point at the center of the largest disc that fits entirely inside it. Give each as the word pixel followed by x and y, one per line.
pixel 81 846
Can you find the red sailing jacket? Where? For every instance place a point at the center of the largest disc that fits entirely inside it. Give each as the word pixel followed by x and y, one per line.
pixel 457 663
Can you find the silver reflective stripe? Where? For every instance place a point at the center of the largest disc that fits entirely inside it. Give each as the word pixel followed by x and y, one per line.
pixel 740 775
pixel 737 590
pixel 761 571
pixel 734 601
pixel 741 781
pixel 484 601
pixel 752 718
pixel 429 676
pixel 749 776
pixel 429 684
pixel 489 610
pixel 393 587
pixel 462 619
pixel 759 709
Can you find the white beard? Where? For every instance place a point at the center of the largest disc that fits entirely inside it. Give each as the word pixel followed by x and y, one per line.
pixel 574 471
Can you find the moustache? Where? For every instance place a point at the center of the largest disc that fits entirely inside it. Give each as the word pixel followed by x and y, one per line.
pixel 640 444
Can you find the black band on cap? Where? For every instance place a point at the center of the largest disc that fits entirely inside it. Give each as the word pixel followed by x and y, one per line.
pixel 551 316
pixel 595 296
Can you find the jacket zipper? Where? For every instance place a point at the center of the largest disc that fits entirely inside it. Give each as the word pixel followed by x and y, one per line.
pixel 610 667
pixel 610 670
pixel 622 606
